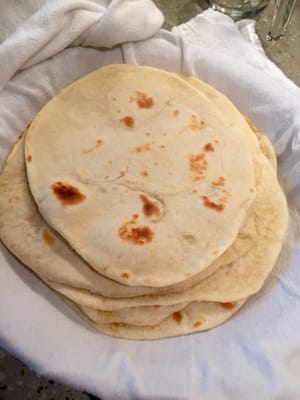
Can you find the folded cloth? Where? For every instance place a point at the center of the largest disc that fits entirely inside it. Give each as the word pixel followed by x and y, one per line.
pixel 58 25
pixel 254 355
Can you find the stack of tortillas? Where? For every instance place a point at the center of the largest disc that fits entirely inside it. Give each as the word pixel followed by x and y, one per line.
pixel 146 200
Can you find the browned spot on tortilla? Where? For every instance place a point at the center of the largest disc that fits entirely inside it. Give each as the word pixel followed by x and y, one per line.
pixel 228 306
pixel 142 148
pixel 147 133
pixel 142 100
pixel 215 252
pixel 176 113
pixel 145 173
pixel 198 166
pixel 13 198
pixel 114 99
pixel 216 141
pixel 162 146
pixel 149 207
pixel 104 269
pixel 109 161
pixel 177 316
pixel 209 147
pixel 212 205
pixel 122 172
pixel 137 235
pixel 197 324
pixel 48 238
pixel 29 158
pixel 156 163
pixel 196 124
pixel 251 190
pixel 219 182
pixel 118 324
pixel 128 121
pixel 125 275
pixel 156 305
pixel 67 194
pixel 194 191
pixel 98 143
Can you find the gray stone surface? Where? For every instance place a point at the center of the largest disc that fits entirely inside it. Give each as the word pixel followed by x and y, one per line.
pixel 19 383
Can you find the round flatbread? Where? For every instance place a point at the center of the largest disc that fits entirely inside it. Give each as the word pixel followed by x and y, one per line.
pixel 136 175
pixel 47 254
pixel 234 281
pixel 197 316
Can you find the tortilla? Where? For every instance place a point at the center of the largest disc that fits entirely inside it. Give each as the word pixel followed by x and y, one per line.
pixel 197 316
pixel 157 162
pixel 231 282
pixel 48 255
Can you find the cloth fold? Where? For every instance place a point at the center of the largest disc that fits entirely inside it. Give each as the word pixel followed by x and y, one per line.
pixel 57 25
pixel 35 325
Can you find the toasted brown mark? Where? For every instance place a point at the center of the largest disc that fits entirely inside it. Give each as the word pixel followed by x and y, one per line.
pixel 162 146
pixel 251 190
pixel 216 141
pixel 98 143
pixel 219 182
pixel 142 148
pixel 177 316
pixel 196 123
pixel 209 147
pixel 194 191
pixel 176 113
pixel 198 166
pixel 128 121
pixel 215 252
pixel 137 235
pixel 228 306
pixel 118 324
pixel 67 194
pixel 29 158
pixel 13 199
pixel 145 173
pixel 148 133
pixel 48 238
pixel 197 324
pixel 156 305
pixel 212 205
pixel 149 207
pixel 125 275
pixel 142 100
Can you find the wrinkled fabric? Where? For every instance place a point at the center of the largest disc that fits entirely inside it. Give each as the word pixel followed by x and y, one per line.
pixel 254 355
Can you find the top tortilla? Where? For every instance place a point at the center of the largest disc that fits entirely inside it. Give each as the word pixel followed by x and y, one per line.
pixel 141 174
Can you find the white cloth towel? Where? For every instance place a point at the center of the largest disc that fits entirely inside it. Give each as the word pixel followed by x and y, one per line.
pixel 254 355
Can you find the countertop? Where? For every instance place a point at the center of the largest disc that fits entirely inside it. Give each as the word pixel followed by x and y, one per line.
pixel 17 382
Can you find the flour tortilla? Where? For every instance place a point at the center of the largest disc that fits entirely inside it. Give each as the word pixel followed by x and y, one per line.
pixel 50 257
pixel 138 316
pixel 135 184
pixel 197 316
pixel 237 280
pixel 56 261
